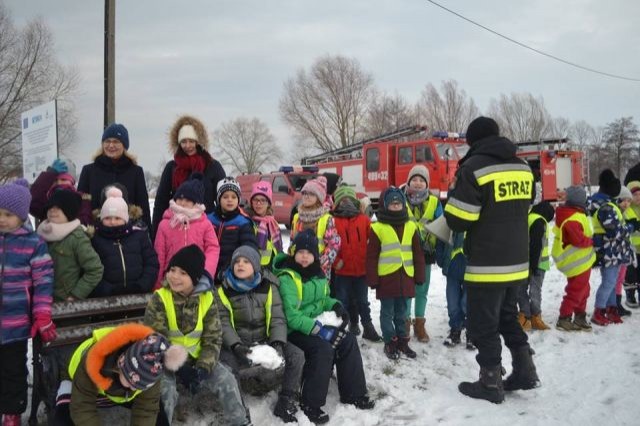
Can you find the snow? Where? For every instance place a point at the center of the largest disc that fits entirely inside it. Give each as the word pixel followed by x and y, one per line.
pixel 329 318
pixel 265 356
pixel 587 378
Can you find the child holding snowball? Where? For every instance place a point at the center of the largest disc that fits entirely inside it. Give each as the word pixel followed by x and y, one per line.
pixel 185 310
pixel 251 315
pixel 305 296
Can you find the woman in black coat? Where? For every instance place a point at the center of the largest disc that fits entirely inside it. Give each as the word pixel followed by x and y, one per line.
pixel 114 164
pixel 188 142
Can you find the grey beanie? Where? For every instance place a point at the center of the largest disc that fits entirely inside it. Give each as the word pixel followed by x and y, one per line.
pixel 576 196
pixel 249 253
pixel 419 170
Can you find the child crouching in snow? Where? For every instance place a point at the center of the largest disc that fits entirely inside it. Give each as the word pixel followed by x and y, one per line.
pixel 252 315
pixel 305 295
pixel 185 309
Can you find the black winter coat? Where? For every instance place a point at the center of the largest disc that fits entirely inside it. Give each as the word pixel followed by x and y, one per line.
pixel 233 230
pixel 490 201
pixel 130 262
pixel 212 175
pixel 103 171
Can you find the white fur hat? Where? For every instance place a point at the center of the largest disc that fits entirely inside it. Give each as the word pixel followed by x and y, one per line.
pixel 187 132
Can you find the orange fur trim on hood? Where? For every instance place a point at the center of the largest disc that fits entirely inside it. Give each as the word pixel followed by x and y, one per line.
pixel 120 337
pixel 198 126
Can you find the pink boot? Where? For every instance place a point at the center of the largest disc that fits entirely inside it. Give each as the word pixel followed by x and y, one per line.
pixel 599 317
pixel 11 420
pixel 613 315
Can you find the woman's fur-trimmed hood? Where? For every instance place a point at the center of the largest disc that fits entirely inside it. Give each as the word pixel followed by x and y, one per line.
pixel 198 126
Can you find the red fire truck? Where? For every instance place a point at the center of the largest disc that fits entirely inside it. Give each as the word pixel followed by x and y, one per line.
pixel 376 163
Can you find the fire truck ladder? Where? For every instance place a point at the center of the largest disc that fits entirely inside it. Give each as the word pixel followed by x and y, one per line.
pixel 542 144
pixel 396 134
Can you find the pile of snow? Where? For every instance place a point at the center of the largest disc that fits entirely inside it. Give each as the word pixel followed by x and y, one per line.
pixel 329 318
pixel 265 356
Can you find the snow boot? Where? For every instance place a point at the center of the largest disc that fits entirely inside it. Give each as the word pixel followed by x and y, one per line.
pixel 420 331
pixel 581 321
pixel 469 344
pixel 354 328
pixel 565 324
pixel 370 332
pixel 403 347
pixel 407 327
pixel 613 316
pixel 525 322
pixel 524 375
pixel 361 403
pixel 537 323
pixel 631 301
pixel 11 420
pixel 599 317
pixel 621 310
pixel 488 387
pixel 453 339
pixel 286 409
pixel 315 414
pixel 391 349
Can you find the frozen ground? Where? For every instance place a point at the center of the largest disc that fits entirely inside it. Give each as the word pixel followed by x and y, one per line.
pixel 587 378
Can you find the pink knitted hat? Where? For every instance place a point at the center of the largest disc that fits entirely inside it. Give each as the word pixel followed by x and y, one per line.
pixel 262 188
pixel 317 186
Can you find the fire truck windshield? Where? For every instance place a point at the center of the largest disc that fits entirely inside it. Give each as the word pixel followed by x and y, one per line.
pixel 298 181
pixel 462 149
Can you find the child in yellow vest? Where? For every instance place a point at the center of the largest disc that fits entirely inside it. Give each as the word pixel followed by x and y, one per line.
pixel 185 310
pixel 632 217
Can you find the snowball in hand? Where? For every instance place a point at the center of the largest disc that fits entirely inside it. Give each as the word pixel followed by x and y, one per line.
pixel 265 356
pixel 329 318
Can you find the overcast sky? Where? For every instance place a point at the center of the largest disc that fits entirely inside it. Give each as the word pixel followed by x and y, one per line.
pixel 220 60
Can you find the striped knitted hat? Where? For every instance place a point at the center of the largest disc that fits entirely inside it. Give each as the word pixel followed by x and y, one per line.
pixel 343 192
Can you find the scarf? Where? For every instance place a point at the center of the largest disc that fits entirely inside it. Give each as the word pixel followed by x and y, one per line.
pixel 312 271
pixel 393 218
pixel 308 217
pixel 347 208
pixel 268 227
pixel 114 232
pixel 241 286
pixel 52 232
pixel 417 197
pixel 185 165
pixel 183 215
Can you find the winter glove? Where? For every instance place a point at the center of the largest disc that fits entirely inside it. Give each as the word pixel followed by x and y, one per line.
pixel 337 337
pixel 46 328
pixel 241 351
pixel 342 313
pixel 59 166
pixel 322 331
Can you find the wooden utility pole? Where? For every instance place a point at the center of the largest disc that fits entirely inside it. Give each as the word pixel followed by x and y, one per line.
pixel 109 62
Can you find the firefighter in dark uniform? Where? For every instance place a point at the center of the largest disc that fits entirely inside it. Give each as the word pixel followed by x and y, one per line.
pixel 490 202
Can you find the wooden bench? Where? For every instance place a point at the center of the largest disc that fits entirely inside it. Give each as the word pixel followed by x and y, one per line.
pixel 75 322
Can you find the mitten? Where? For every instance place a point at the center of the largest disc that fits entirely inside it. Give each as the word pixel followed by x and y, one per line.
pixel 59 166
pixel 46 328
pixel 241 351
pixel 342 313
pixel 323 332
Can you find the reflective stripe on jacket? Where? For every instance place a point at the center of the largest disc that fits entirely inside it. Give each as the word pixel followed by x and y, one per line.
pixel 571 260
pixel 321 229
pixel 393 253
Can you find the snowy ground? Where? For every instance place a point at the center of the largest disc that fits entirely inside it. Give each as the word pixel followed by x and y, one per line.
pixel 587 378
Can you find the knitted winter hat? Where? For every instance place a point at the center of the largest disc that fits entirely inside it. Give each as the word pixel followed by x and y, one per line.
pixel 481 128
pixel 67 200
pixel 116 207
pixel 249 253
pixel 192 189
pixel 228 184
pixel 71 168
pixel 306 240
pixel 191 260
pixel 609 184
pixel 393 195
pixel 317 186
pixel 117 131
pixel 262 188
pixel 16 198
pixel 634 186
pixel 576 196
pixel 187 132
pixel 143 362
pixel 419 170
pixel 625 194
pixel 343 192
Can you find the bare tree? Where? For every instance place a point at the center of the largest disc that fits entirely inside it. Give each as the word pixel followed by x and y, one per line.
pixel 247 145
pixel 449 109
pixel 558 128
pixel 621 144
pixel 388 113
pixel 29 76
pixel 521 116
pixel 327 105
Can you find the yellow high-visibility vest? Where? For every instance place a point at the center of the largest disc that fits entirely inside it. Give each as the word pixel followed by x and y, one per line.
pixel 267 308
pixel 76 358
pixel 544 255
pixel 630 214
pixel 571 260
pixel 597 226
pixel 191 340
pixel 393 253
pixel 298 282
pixel 321 229
pixel 427 215
pixel 267 253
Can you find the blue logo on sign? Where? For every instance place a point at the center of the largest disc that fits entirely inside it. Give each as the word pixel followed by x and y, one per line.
pixel 25 123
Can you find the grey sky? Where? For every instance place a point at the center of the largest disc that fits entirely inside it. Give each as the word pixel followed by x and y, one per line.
pixel 219 60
